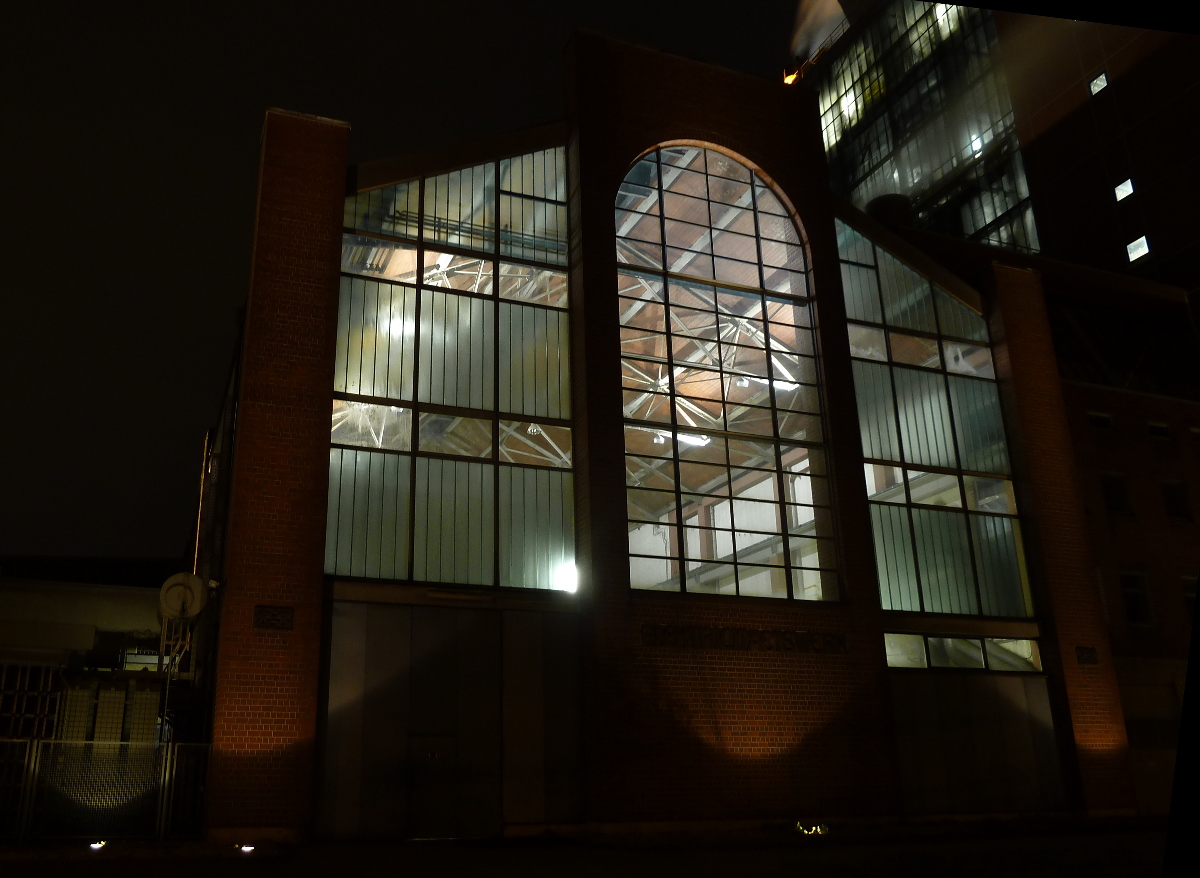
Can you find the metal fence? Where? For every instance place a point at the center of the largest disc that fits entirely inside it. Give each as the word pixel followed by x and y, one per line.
pixel 93 789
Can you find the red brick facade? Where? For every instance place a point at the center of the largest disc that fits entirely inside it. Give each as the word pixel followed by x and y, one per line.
pixel 1057 537
pixel 703 733
pixel 265 714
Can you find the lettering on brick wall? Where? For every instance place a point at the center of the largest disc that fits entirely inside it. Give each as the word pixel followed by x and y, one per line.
pixel 274 618
pixel 744 639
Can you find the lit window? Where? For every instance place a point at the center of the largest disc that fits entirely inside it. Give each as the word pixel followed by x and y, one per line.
pixel 1137 249
pixel 724 467
pixel 1098 83
pixel 1124 190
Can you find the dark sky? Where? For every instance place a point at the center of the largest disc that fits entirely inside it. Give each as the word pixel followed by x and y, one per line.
pixel 130 148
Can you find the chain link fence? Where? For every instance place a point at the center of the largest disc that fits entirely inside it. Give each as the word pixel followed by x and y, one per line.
pixel 93 789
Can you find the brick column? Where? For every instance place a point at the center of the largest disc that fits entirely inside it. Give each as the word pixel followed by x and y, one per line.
pixel 1076 647
pixel 265 715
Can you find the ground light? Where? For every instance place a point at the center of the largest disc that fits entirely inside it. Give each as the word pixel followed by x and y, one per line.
pixel 245 848
pixel 96 845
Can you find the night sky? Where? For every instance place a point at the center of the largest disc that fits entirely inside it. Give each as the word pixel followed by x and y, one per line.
pixel 130 147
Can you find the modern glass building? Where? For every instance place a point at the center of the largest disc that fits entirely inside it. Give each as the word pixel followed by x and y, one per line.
pixel 914 101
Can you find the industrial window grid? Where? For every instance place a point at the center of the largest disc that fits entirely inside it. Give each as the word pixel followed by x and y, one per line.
pixel 724 461
pixel 962 653
pixel 451 454
pixel 943 509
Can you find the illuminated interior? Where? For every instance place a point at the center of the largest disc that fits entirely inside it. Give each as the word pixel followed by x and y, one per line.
pixel 725 470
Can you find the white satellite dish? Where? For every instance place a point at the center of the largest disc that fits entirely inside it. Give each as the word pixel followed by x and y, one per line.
pixel 182 596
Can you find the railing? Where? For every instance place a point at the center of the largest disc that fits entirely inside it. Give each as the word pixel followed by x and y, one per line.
pixel 100 790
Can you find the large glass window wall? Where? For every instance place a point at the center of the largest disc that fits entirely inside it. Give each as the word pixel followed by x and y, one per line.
pixel 947 535
pixel 725 468
pixel 451 451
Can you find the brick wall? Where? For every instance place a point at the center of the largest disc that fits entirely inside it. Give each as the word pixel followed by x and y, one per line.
pixel 1062 560
pixel 265 713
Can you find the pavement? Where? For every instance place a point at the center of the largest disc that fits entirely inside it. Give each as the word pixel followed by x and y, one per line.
pixel 996 849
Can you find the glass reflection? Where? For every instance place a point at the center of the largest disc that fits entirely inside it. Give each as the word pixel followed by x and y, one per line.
pixel 371 426
pixel 452 434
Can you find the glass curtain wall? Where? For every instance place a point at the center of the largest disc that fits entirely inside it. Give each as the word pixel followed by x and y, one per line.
pixel 725 468
pixel 947 536
pixel 450 456
pixel 915 103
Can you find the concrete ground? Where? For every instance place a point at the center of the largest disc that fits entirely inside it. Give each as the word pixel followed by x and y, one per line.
pixel 1099 849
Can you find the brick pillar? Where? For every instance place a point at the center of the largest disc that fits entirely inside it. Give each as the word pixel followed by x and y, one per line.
pixel 265 713
pixel 1076 647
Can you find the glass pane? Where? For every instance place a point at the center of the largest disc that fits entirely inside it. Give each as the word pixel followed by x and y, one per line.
pixel 451 434
pixel 644 406
pixel 703 478
pixel 643 226
pixel 534 359
pixel 934 489
pixel 876 410
pixel 944 554
pixel 382 259
pixel 699 383
pixel 1012 655
pixel 457 350
pixel 703 414
pixel 537 529
pixel 990 495
pixel 376 339
pixel 633 252
pixel 860 287
pixel 810 552
pixel 815 585
pixel 955 652
pixel 750 419
pixel 752 453
pixel 367 524
pixel 851 245
pixel 472 274
pixel 654 574
pixel 1003 585
pixel 762 582
pixel 634 285
pixel 798 459
pixel 754 484
pixel 648 441
pixel 541 286
pixel 535 444
pixel 801 427
pixel 720 165
pixel 706 544
pixel 980 425
pixel 643 344
pixel 756 515
pixel 645 505
pixel 780 280
pixel 460 208
pixel 866 342
pixel 885 484
pixel 915 351
pixel 646 375
pixel 907 297
pixel 371 426
pixel 649 473
pixel 969 359
pixel 894 561
pixel 905 650
pixel 453 529
pixel 541 174
pixel 759 548
pixel 924 418
pixel 712 579
pixel 392 210
pixel 701 447
pixel 958 320
pixel 694 324
pixel 531 228
pixel 643 314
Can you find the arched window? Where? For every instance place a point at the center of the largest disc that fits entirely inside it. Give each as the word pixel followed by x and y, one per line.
pixel 725 469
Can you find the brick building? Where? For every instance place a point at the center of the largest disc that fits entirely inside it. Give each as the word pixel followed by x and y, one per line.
pixel 661 486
